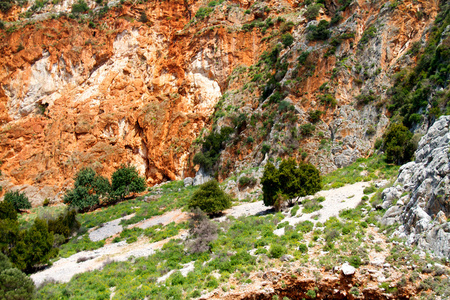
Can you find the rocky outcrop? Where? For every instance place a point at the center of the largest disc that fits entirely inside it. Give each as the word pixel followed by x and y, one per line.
pixel 419 199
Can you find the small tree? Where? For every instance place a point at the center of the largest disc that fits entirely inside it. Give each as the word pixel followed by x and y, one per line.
pixel 398 144
pixel 126 180
pixel 18 200
pixel 89 189
pixel 210 198
pixel 289 181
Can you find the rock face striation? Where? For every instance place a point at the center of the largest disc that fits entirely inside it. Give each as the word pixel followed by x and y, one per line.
pixel 419 199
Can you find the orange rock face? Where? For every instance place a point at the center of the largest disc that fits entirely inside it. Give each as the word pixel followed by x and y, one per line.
pixel 72 96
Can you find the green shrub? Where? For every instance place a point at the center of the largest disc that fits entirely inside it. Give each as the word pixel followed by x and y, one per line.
pixel 211 146
pixel 7 211
pixel 14 285
pixel 368 34
pixel 369 190
pixel 126 180
pixel 314 115
pixel 65 224
pixel 89 189
pixel 303 248
pixel 355 261
pixel 210 198
pixel 203 12
pixel 312 11
pixel 311 294
pixel 265 148
pixel 80 7
pixel 319 32
pixel 18 200
pixel 307 129
pixel 310 206
pixel 290 180
pixel 287 39
pixel 5 5
pixel 398 144
pixel 246 181
pixel 277 250
pixel 305 226
pixel 294 210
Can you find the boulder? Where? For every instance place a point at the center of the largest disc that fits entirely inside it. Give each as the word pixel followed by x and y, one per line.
pixel 347 269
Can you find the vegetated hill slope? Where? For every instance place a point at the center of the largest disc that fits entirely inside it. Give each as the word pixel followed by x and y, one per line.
pixel 137 82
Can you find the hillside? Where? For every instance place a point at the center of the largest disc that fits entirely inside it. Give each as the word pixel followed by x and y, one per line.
pixel 140 83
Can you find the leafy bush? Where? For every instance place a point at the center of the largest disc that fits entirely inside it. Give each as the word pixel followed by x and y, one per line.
pixel 307 129
pixel 7 211
pixel 65 224
pixel 13 283
pixel 126 180
pixel 314 115
pixel 290 180
pixel 303 248
pixel 287 39
pixel 398 144
pixel 369 190
pixel 355 261
pixel 277 250
pixel 265 149
pixel 203 12
pixel 319 32
pixel 310 206
pixel 210 198
pixel 18 200
pixel 294 210
pixel 312 11
pixel 368 34
pixel 246 181
pixel 89 188
pixel 211 147
pixel 5 5
pixel 80 7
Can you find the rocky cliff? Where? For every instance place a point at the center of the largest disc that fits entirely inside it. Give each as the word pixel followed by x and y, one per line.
pixel 419 198
pixel 139 82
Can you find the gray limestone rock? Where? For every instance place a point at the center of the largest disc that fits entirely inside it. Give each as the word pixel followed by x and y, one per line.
pixel 423 213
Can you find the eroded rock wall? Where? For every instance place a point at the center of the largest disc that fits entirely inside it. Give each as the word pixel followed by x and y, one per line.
pixel 419 198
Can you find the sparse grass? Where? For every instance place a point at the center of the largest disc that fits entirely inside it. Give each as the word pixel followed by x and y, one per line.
pixel 364 169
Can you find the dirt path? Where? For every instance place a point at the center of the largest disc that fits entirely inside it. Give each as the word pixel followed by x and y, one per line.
pixel 65 268
pixel 336 200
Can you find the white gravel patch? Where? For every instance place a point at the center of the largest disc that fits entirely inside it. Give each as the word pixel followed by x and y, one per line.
pixel 335 200
pixel 345 197
pixel 176 216
pixel 108 229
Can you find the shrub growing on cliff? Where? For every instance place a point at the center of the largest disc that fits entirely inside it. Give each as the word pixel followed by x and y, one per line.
pixel 291 180
pixel 319 32
pixel 210 198
pixel 398 144
pixel 18 200
pixel 80 7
